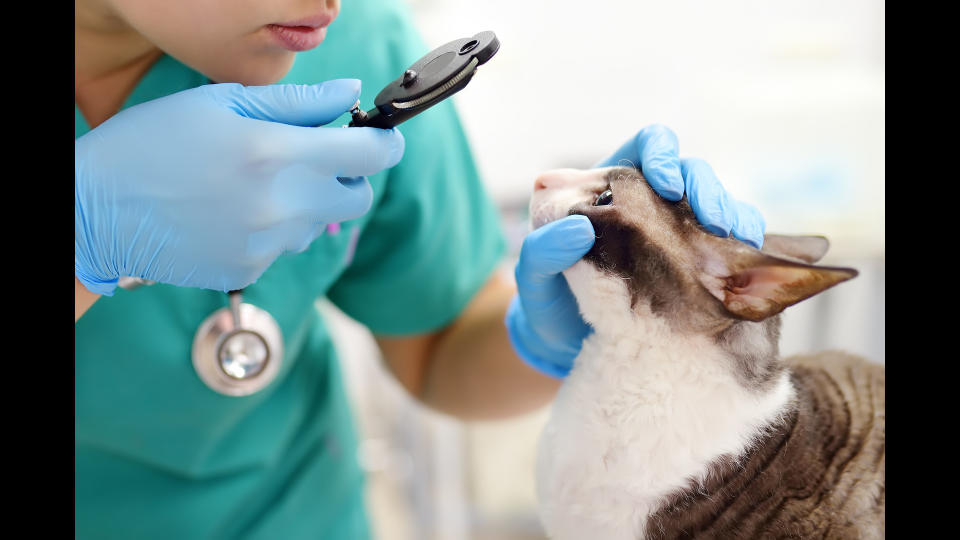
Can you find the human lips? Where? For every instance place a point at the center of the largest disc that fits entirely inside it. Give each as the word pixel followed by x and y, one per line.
pixel 302 34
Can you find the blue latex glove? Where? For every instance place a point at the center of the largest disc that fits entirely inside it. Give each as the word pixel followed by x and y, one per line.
pixel 543 320
pixel 207 187
pixel 655 151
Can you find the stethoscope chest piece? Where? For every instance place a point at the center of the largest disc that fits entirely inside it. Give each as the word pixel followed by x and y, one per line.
pixel 238 350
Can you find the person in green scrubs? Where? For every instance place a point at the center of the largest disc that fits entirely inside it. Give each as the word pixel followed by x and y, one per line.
pixel 199 166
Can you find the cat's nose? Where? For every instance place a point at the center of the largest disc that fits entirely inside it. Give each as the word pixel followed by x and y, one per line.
pixel 558 178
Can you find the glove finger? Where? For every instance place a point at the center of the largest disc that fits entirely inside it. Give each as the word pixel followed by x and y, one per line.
pixel 710 202
pixel 303 202
pixel 289 236
pixel 296 104
pixel 298 234
pixel 656 152
pixel 346 152
pixel 265 245
pixel 553 248
pixel 312 230
pixel 748 224
pixel 557 339
pixel 355 200
pixel 625 156
pixel 557 318
pixel 660 161
pixel 330 200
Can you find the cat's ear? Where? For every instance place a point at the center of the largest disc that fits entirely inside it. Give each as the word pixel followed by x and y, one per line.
pixel 806 248
pixel 754 285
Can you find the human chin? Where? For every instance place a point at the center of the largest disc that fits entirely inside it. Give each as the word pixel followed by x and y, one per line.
pixel 255 70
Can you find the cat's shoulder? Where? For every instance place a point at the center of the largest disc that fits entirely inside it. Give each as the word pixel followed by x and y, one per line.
pixel 841 385
pixel 839 366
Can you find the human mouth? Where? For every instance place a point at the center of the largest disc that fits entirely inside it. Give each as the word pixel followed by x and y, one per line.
pixel 302 34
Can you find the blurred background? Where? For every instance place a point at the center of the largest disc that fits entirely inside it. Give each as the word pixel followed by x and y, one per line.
pixel 784 99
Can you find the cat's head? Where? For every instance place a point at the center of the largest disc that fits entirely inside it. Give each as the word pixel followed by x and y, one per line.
pixel 653 259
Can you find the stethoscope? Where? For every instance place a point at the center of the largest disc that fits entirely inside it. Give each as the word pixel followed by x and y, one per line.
pixel 237 350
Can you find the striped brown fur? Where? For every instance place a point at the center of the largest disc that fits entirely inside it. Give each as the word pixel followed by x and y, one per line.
pixel 818 474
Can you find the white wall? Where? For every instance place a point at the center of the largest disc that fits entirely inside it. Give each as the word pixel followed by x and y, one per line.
pixel 785 99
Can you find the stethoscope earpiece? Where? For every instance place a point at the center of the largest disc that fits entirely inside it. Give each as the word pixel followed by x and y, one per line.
pixel 238 350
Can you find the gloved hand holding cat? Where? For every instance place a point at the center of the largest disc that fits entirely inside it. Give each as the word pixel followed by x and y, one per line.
pixel 543 321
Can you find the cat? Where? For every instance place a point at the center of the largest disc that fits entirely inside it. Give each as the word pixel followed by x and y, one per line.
pixel 679 419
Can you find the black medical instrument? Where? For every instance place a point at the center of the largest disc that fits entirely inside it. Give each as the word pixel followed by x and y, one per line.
pixel 443 72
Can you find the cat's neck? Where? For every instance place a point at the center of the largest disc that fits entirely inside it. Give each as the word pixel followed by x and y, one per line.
pixel 670 384
pixel 690 382
pixel 634 344
pixel 662 410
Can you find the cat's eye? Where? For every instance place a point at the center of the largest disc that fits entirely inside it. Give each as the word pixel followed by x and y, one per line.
pixel 604 198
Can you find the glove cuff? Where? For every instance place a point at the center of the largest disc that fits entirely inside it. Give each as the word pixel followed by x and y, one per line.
pixel 105 288
pixel 520 335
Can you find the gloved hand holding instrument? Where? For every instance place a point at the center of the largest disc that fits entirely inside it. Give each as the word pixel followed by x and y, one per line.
pixel 208 186
pixel 543 321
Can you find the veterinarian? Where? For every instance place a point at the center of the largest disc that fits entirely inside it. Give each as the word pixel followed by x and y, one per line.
pixel 206 188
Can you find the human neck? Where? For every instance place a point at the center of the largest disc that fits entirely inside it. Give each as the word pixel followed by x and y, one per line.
pixel 110 57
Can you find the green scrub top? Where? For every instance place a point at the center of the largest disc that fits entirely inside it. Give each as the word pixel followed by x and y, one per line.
pixel 160 455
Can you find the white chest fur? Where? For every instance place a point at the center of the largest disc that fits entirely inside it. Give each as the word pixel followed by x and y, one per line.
pixel 643 413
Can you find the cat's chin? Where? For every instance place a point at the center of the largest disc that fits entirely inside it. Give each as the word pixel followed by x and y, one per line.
pixel 604 299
